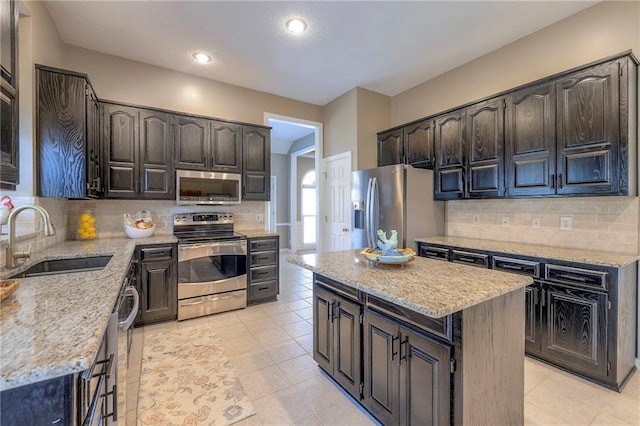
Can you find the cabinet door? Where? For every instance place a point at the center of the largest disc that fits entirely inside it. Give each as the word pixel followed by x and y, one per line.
pixel 156 165
pixel 588 131
pixel 450 156
pixel 192 143
pixel 9 42
pixel 159 291
pixel 61 137
pixel 390 148
pixel 348 343
pixel 532 319
pixel 576 328
pixel 381 368
pixel 530 146
pixel 418 144
pixel 323 328
pixel 121 151
pixel 424 379
pixel 485 149
pixel 226 147
pixel 256 161
pixel 8 138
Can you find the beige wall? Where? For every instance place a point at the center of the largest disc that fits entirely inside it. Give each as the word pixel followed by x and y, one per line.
pixel 340 126
pixel 597 32
pixel 374 115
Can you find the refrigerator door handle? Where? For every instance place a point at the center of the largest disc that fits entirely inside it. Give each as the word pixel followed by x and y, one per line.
pixel 374 210
pixel 367 214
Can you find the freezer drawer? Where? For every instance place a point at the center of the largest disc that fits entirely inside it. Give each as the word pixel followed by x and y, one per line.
pixel 211 304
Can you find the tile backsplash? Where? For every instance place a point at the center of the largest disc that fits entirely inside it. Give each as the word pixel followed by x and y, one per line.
pixel 598 223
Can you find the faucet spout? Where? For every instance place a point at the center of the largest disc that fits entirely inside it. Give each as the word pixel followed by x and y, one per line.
pixel 12 253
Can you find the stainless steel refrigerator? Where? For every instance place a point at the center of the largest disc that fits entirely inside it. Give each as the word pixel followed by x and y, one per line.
pixel 396 197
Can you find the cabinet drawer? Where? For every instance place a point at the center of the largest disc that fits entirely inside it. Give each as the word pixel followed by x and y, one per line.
pixel 263 290
pixel 517 266
pixel 263 273
pixel 434 252
pixel 266 244
pixel 470 258
pixel 263 258
pixel 577 276
pixel 156 253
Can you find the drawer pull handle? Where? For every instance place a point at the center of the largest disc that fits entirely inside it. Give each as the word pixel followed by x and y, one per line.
pixel 573 277
pixel 513 267
pixel 263 288
pixel 468 259
pixel 263 273
pixel 263 258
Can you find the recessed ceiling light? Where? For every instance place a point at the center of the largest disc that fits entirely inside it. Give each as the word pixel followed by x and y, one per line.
pixel 201 57
pixel 296 25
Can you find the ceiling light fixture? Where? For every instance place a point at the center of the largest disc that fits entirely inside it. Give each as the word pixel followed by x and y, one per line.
pixel 296 25
pixel 201 57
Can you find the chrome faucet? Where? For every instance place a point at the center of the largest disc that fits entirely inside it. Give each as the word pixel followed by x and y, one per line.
pixel 12 253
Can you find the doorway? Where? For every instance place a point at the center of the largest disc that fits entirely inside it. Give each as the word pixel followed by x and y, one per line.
pixel 294 141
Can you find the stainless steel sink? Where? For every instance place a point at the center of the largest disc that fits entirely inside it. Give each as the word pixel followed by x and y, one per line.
pixel 65 266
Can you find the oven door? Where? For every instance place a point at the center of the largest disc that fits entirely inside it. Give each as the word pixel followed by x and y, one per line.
pixel 212 267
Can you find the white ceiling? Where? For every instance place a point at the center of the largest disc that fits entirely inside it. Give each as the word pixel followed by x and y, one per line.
pixel 284 134
pixel 387 47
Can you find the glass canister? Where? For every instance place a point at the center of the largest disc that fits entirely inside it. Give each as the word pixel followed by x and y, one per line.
pixel 87 225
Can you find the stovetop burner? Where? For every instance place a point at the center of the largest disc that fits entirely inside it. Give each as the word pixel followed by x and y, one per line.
pixel 204 226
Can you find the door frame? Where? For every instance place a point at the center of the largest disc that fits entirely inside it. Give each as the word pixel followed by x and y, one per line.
pixel 318 133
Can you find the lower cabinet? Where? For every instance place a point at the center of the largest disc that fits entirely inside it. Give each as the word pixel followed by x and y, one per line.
pixel 157 283
pixel 405 373
pixel 262 269
pixel 337 338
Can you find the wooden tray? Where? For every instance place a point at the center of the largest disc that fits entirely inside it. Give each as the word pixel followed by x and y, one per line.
pixel 7 287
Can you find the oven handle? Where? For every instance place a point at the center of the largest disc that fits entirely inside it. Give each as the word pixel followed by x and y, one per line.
pixel 192 251
pixel 204 299
pixel 130 291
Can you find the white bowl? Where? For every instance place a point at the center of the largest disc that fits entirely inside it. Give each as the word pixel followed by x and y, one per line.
pixel 139 233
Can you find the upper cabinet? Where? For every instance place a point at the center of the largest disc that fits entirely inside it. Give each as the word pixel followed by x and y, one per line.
pixel 256 170
pixel 138 154
pixel 412 144
pixel 208 145
pixel 9 176
pixel 67 136
pixel 564 135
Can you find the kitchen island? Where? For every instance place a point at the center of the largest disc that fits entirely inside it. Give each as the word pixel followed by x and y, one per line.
pixel 427 343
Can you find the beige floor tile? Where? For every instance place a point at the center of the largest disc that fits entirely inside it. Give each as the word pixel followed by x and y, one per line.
pixel 345 413
pixel 298 304
pixel 251 313
pixel 299 369
pixel 260 325
pixel 249 421
pixel 534 373
pixel 231 331
pixel 284 350
pixel 239 345
pixel 287 297
pixel 286 318
pixel 306 342
pixel 271 336
pixel 318 392
pixel 263 382
pixel 603 419
pixel 623 406
pixel 299 328
pixel 305 313
pixel 251 361
pixel 540 416
pixel 272 309
pixel 281 408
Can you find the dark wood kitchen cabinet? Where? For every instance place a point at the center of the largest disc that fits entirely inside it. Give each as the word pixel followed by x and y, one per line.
pixel 263 269
pixel 412 144
pixel 208 145
pixel 337 336
pixel 137 144
pixel 390 148
pixel 67 135
pixel 9 146
pixel 157 283
pixel 256 163
pixel 449 173
pixel 405 373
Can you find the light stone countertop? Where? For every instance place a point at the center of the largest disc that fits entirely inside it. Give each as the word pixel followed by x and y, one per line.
pixel 590 257
pixel 257 233
pixel 53 325
pixel 431 287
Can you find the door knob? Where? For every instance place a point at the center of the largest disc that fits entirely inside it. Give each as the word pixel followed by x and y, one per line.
pixel 345 229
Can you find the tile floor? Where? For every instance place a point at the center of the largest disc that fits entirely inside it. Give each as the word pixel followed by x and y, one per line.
pixel 270 346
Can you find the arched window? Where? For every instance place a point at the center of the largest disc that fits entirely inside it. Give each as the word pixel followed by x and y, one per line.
pixel 309 209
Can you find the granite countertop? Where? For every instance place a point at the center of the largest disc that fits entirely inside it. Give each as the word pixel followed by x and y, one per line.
pixel 257 233
pixel 428 286
pixel 590 257
pixel 53 325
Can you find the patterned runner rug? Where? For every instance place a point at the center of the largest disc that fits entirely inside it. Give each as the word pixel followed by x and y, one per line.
pixel 186 379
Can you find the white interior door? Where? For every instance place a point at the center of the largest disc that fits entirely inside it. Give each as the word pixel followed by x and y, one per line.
pixel 337 188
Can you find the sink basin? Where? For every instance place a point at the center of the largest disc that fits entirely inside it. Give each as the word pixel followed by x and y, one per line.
pixel 65 266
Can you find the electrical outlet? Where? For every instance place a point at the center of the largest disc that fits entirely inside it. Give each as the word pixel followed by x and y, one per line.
pixel 476 219
pixel 505 220
pixel 535 222
pixel 259 218
pixel 566 223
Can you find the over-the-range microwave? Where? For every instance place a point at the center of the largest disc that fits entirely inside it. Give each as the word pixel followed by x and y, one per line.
pixel 195 187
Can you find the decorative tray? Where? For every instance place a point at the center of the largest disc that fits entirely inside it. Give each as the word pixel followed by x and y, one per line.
pixel 7 287
pixel 380 257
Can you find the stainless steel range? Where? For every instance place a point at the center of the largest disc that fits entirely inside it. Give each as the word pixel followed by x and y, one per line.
pixel 212 264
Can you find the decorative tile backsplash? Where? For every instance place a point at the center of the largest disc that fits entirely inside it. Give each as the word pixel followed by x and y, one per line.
pixel 597 223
